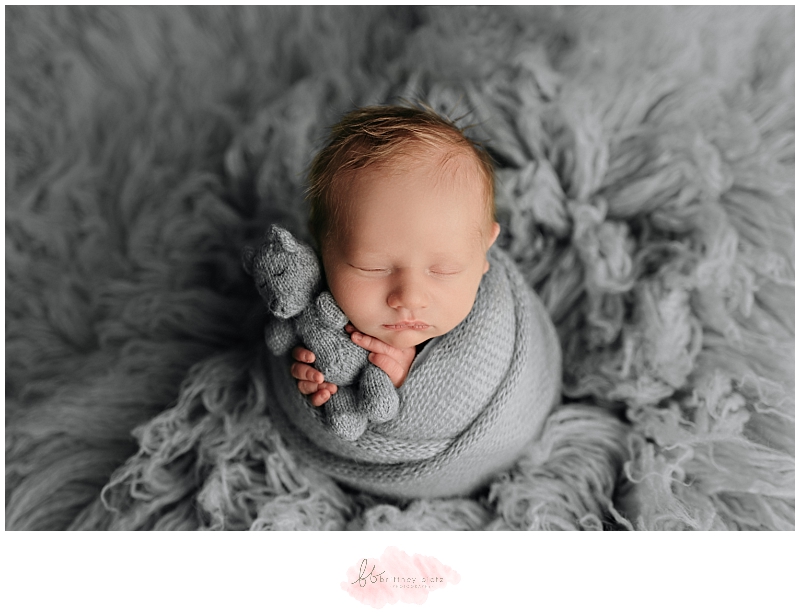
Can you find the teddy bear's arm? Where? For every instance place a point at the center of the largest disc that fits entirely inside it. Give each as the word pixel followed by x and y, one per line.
pixel 329 312
pixel 378 397
pixel 280 336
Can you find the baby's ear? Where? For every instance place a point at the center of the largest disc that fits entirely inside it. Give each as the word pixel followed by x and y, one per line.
pixel 493 235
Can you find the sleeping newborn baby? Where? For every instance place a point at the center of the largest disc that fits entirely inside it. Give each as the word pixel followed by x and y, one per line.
pixel 403 230
pixel 402 211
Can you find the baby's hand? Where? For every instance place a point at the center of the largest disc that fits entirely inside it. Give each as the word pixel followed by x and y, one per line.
pixel 393 361
pixel 310 382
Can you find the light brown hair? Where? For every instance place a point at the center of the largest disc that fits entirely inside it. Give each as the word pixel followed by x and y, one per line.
pixel 378 135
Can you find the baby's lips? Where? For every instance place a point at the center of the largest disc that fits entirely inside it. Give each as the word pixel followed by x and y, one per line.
pixel 404 325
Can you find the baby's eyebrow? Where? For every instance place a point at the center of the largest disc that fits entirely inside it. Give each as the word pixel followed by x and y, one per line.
pixel 442 254
pixel 446 258
pixel 367 254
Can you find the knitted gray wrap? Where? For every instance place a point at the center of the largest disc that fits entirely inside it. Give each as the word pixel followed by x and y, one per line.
pixel 466 411
pixel 288 277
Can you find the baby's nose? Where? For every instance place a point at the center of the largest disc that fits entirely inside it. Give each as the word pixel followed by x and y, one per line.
pixel 409 292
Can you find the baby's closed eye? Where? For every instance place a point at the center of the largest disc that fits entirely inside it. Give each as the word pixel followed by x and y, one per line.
pixel 370 268
pixel 437 271
pixel 444 271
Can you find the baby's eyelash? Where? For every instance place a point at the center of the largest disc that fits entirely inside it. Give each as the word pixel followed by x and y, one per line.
pixel 386 270
pixel 372 270
pixel 437 273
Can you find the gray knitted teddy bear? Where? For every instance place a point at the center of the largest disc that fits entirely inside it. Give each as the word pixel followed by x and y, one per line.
pixel 289 280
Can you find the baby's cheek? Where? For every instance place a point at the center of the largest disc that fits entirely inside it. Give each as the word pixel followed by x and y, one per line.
pixel 361 309
pixel 371 327
pixel 346 293
pixel 460 305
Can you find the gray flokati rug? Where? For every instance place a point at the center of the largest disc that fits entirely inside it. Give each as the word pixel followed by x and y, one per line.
pixel 646 190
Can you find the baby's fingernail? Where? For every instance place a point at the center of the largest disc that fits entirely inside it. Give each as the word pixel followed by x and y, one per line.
pixel 356 336
pixel 319 378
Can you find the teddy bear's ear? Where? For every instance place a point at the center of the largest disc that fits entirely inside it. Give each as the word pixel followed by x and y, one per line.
pixel 281 237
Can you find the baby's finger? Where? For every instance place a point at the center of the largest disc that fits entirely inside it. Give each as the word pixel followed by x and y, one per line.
pixel 307 387
pixel 304 372
pixel 389 366
pixel 330 387
pixel 321 397
pixel 302 354
pixel 372 344
pixel 349 328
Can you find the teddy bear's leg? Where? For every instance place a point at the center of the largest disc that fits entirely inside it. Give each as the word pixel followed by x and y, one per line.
pixel 378 397
pixel 345 420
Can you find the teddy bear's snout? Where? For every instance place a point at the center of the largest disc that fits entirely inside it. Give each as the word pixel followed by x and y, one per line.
pixel 276 308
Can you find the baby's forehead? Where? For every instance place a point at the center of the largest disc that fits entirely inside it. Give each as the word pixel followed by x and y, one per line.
pixel 439 158
pixel 450 176
pixel 448 165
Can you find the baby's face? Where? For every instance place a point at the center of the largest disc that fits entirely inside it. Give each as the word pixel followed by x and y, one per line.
pixel 410 251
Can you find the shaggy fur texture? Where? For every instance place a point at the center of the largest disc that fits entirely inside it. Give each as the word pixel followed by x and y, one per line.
pixel 646 190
